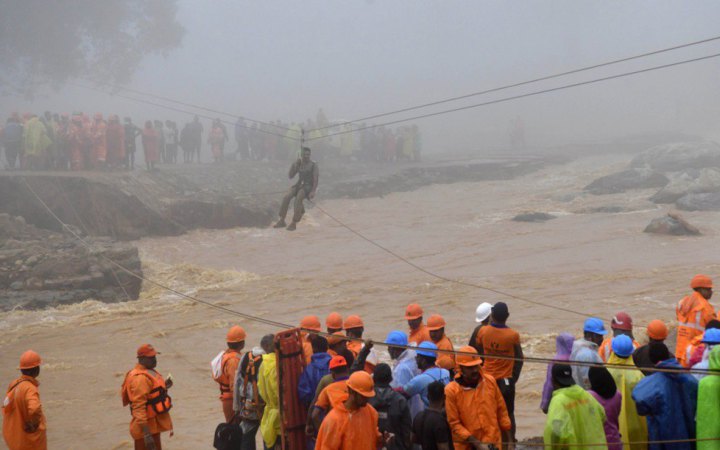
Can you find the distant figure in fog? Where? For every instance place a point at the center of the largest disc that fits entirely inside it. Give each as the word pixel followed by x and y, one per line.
pixel 150 142
pixel 131 134
pixel 216 139
pixel 187 143
pixel 196 131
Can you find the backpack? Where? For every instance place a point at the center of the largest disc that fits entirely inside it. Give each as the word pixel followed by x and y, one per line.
pixel 228 436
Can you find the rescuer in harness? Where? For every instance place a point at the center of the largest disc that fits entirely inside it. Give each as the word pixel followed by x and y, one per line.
pixel 308 174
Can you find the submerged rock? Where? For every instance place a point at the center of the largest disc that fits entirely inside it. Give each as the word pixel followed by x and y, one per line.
pixel 699 202
pixel 679 156
pixel 626 180
pixel 671 224
pixel 533 217
pixel 689 182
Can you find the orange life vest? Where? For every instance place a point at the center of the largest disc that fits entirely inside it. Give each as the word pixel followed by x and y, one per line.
pixel 251 408
pixel 158 402
pixel 223 380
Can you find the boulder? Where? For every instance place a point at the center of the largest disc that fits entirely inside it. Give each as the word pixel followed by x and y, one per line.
pixel 639 178
pixel 692 181
pixel 533 217
pixel 699 202
pixel 671 224
pixel 679 156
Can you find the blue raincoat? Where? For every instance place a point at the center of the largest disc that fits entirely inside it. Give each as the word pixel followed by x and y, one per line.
pixel 319 367
pixel 669 401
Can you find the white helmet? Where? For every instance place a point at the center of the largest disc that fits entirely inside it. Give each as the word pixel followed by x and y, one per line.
pixel 482 312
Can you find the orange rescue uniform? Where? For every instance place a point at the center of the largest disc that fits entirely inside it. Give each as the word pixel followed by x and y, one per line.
pixel 332 394
pixel 307 348
pixel 349 430
pixel 226 380
pixel 499 341
pixel 138 389
pixel 419 334
pixel 22 410
pixel 445 360
pixel 478 412
pixel 693 313
pixel 355 347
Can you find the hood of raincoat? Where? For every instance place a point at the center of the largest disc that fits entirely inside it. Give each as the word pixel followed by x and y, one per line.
pixel 564 345
pixel 671 363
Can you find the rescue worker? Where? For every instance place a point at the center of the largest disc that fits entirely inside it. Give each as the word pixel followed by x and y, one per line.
pixel 77 138
pixel 575 419
pixel 99 141
pixel 150 142
pixel 633 427
pixel 416 389
pixel 229 362
pixel 696 349
pixel 270 393
pixel 392 407
pixel 621 324
pixel 306 187
pixel 216 139
pixel 247 403
pixel 436 327
pixel 328 394
pixel 310 323
pixel 500 340
pixel 354 328
pixel 353 424
pixel 115 136
pixel 693 313
pixel 586 350
pixel 654 394
pixel 145 391
pixel 563 348
pixel 475 408
pixel 482 317
pixel 131 134
pixel 12 136
pixel 657 331
pixel 418 331
pixel 404 364
pixel 24 425
pixel 319 367
pixel 337 345
pixel 35 143
pixel 334 323
pixel 708 414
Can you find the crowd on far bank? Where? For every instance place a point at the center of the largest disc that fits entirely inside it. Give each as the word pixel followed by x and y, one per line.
pixel 77 141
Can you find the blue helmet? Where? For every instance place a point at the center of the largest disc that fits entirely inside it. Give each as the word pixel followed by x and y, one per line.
pixel 594 325
pixel 712 336
pixel 427 345
pixel 622 346
pixel 396 337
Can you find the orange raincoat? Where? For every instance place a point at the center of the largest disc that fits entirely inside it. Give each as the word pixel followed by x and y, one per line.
pixel 136 389
pixel 693 313
pixel 419 334
pixel 345 430
pixel 22 412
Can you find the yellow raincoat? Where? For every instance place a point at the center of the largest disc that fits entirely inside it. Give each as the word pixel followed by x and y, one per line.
pixel 574 420
pixel 633 427
pixel 268 388
pixel 35 138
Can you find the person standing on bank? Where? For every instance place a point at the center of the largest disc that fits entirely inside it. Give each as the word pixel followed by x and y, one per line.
pixel 308 173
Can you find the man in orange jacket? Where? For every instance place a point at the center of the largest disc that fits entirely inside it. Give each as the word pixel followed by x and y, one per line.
pixel 334 323
pixel 436 327
pixel 475 407
pixel 414 317
pixel 354 328
pixel 24 426
pixel 693 313
pixel 310 323
pixel 228 367
pixel 145 391
pixel 621 324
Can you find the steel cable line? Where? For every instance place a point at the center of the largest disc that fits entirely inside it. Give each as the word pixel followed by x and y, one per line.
pixel 522 83
pixel 516 97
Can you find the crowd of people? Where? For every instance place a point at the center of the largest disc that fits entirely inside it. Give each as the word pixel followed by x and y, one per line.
pixel 603 390
pixel 53 141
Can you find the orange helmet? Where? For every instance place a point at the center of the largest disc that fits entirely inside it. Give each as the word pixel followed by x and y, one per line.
pixel 435 322
pixel 701 281
pixel 657 330
pixel 147 350
pixel 467 360
pixel 353 322
pixel 413 311
pixel 362 383
pixel 336 338
pixel 235 334
pixel 334 320
pixel 29 360
pixel 311 323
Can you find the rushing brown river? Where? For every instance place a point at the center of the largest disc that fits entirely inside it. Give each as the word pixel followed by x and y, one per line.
pixel 597 263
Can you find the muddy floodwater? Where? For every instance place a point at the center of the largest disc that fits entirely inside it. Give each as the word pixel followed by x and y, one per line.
pixel 596 263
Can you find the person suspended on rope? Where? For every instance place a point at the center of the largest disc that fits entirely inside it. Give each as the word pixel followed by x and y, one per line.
pixel 306 187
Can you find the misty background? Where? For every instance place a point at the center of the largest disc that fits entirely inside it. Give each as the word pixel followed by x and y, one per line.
pixel 272 60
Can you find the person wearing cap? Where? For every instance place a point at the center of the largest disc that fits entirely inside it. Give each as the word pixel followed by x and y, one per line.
pixel 319 367
pixel 668 400
pixel 229 362
pixel 475 407
pixel 711 339
pixel 621 324
pixel 498 339
pixel 633 427
pixel 334 323
pixel 436 327
pixel 24 424
pixel 328 394
pixel 307 324
pixel 337 345
pixel 270 393
pixel 404 365
pixel 657 331
pixel 145 391
pixel 575 419
pixel 416 389
pixel 482 317
pixel 586 350
pixel 696 349
pixel 392 407
pixel 708 413
pixel 418 331
pixel 247 403
pixel 354 328
pixel 693 313
pixel 353 423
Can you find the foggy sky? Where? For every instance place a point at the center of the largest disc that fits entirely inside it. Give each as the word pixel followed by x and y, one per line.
pixel 284 59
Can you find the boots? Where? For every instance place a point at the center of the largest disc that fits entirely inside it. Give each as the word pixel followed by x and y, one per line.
pixel 280 224
pixel 291 227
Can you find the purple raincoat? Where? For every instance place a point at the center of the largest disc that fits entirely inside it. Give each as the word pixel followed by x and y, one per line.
pixel 563 347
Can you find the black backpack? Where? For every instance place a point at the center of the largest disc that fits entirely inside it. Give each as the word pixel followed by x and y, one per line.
pixel 228 436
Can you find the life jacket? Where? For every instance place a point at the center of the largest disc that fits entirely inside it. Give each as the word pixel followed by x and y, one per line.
pixel 219 374
pixel 158 402
pixel 251 408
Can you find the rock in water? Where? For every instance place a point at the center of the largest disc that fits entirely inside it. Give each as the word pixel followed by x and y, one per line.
pixel 679 156
pixel 691 181
pixel 700 202
pixel 533 217
pixel 627 180
pixel 672 224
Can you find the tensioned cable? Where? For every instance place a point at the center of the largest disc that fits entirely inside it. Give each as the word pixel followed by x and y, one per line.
pixel 523 83
pixel 516 97
pixel 190 105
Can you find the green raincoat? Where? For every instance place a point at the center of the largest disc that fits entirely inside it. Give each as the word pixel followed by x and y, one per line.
pixel 35 138
pixel 708 413
pixel 574 420
pixel 268 389
pixel 633 427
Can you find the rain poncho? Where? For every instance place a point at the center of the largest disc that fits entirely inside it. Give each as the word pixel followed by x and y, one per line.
pixel 405 369
pixel 584 351
pixel 574 419
pixel 633 427
pixel 268 387
pixel 705 363
pixel 563 348
pixel 35 138
pixel 319 367
pixel 669 401
pixel 708 413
